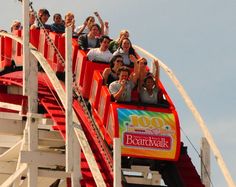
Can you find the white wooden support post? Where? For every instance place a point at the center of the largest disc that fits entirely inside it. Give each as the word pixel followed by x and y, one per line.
pixel 33 86
pixel 25 46
pixel 68 107
pixel 32 146
pixel 205 163
pixel 117 162
pixel 76 174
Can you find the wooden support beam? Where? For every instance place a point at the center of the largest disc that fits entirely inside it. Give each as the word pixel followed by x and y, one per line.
pixel 117 162
pixel 11 126
pixel 9 141
pixel 205 163
pixel 42 158
pixel 11 153
pixel 3 150
pixel 10 106
pixel 32 144
pixel 68 103
pixel 9 115
pixel 16 175
pixel 90 158
pixel 53 174
pixel 7 167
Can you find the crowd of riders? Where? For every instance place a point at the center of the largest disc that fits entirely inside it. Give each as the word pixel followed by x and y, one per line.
pixel 127 70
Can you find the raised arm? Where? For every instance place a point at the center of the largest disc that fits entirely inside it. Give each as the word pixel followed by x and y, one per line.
pixel 100 21
pixel 118 94
pixel 135 75
pixel 81 29
pixel 105 74
pixel 157 69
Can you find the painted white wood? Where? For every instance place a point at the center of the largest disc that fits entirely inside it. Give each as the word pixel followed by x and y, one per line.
pixel 117 162
pixel 32 175
pixel 3 150
pixel 33 85
pixel 68 99
pixel 205 163
pixel 53 174
pixel 50 135
pixel 76 174
pixel 42 158
pixel 11 127
pixel 142 175
pixel 9 141
pixel 16 175
pixel 50 138
pixel 90 158
pixel 45 181
pixel 41 182
pixel 32 146
pixel 10 106
pixel 9 115
pixel 11 153
pixel 24 146
pixel 32 134
pixel 26 51
pixel 7 167
pixel 198 117
pixel 3 177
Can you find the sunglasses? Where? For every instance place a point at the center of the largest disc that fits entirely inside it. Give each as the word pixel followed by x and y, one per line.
pixel 119 61
pixel 145 63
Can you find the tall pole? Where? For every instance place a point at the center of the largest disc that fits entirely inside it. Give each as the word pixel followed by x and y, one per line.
pixel 117 162
pixel 25 46
pixel 68 99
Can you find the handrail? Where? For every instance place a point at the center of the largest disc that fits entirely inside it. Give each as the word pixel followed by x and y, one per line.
pixel 61 94
pixel 196 114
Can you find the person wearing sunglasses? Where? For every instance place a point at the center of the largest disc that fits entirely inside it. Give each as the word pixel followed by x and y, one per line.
pixel 148 88
pixel 110 74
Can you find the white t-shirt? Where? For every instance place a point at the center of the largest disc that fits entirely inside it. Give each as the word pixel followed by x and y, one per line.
pixel 115 86
pixel 97 55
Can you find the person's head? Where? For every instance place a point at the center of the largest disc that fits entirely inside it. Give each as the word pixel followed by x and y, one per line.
pixel 124 34
pixel 43 15
pixel 90 21
pixel 57 19
pixel 123 73
pixel 142 62
pixel 31 18
pixel 16 25
pixel 116 61
pixel 125 44
pixel 95 30
pixel 149 81
pixel 104 42
pixel 69 19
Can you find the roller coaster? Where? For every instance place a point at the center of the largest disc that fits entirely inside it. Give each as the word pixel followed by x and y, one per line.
pixel 149 135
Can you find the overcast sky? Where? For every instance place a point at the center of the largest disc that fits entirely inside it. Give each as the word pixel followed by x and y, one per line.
pixel 196 39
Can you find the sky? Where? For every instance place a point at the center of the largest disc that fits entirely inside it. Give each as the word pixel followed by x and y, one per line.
pixel 195 39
